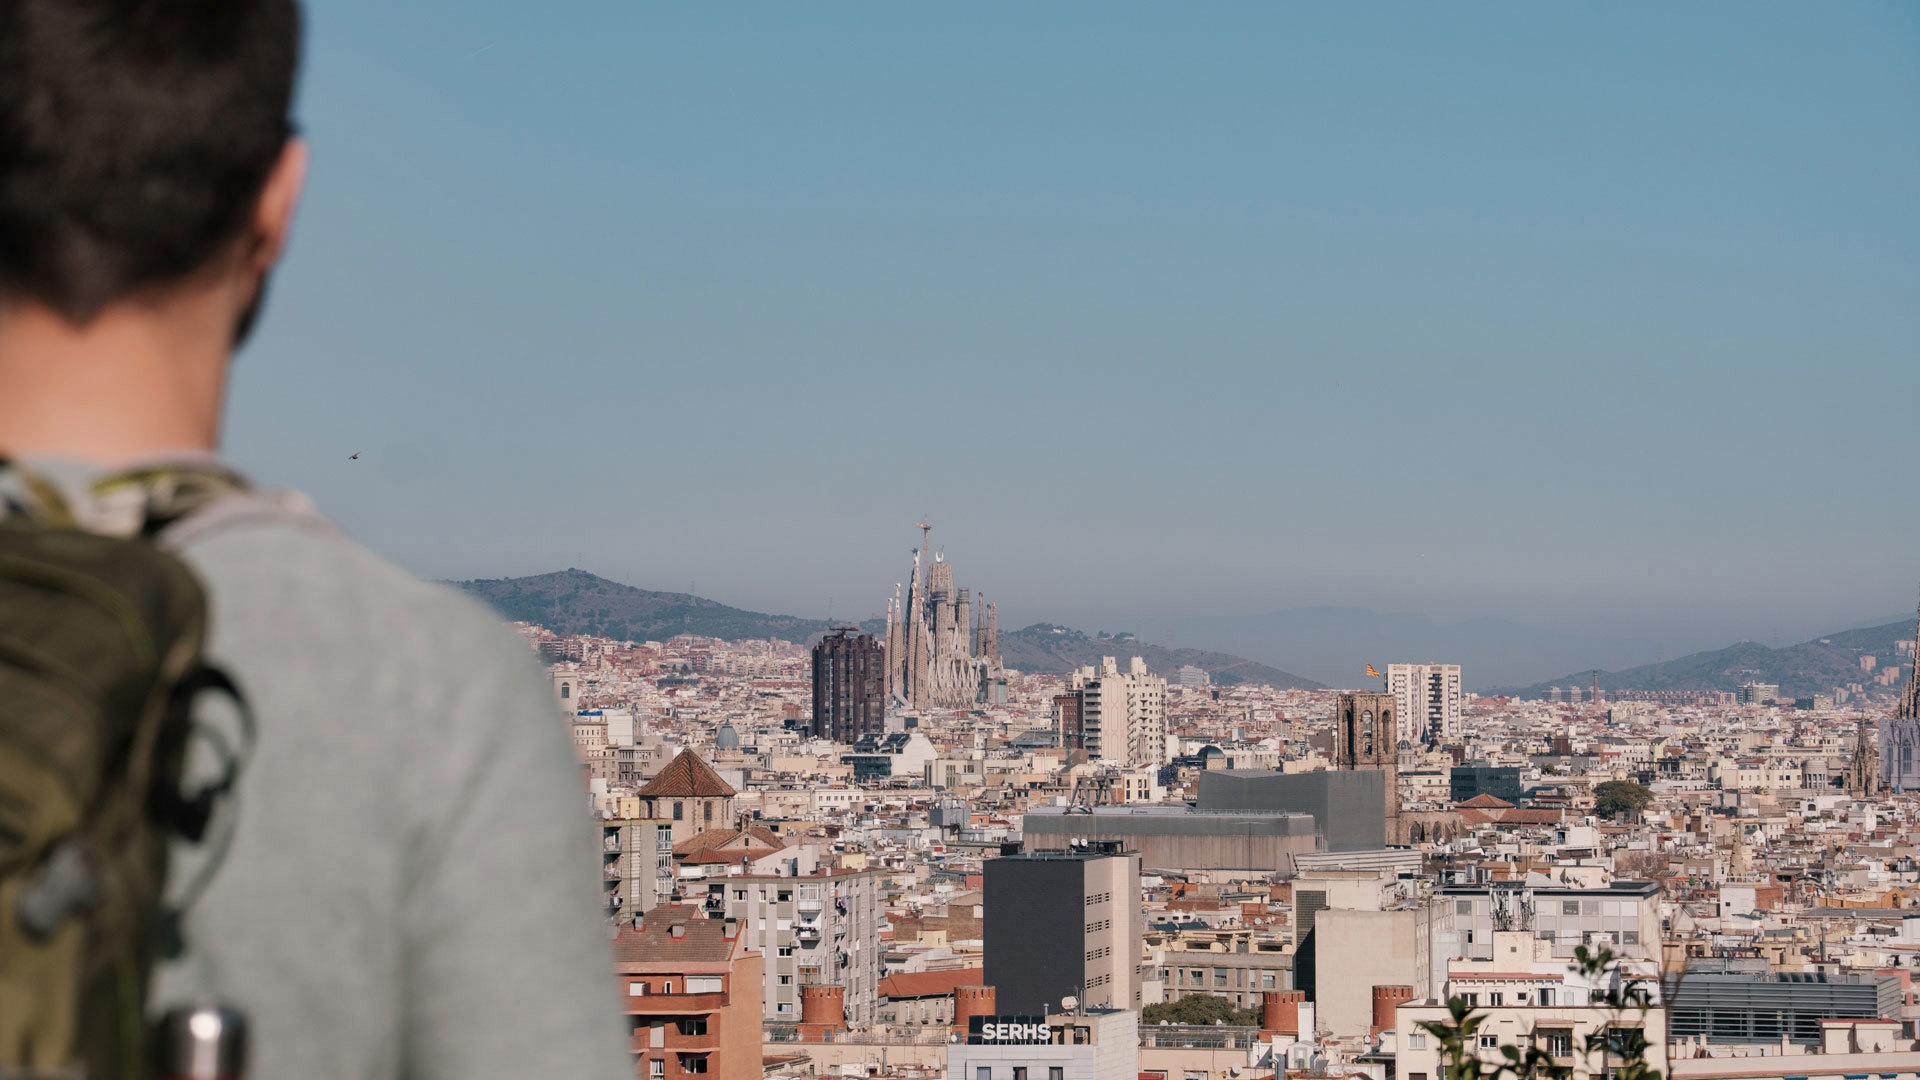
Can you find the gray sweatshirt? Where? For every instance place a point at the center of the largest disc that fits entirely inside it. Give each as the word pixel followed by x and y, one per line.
pixel 410 890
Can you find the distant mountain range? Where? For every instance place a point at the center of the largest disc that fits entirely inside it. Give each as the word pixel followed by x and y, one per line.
pixel 1334 644
pixel 1801 670
pixel 577 602
pixel 1048 648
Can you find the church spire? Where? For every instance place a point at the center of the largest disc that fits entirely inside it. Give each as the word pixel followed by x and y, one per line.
pixel 1910 700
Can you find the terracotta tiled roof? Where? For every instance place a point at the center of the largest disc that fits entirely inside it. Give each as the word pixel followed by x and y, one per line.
pixel 755 839
pixel 922 984
pixel 715 856
pixel 687 776
pixel 702 940
pixel 1485 802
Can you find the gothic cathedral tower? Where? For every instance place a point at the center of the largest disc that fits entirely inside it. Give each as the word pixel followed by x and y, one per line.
pixel 1367 738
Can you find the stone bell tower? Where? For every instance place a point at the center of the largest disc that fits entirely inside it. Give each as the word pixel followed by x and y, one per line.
pixel 1367 737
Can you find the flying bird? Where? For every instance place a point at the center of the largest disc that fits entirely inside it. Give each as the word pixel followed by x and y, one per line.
pixel 355 456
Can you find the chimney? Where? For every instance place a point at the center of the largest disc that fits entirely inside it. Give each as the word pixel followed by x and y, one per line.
pixel 677 931
pixel 730 929
pixel 823 1010
pixel 1387 999
pixel 1280 1012
pixel 969 1002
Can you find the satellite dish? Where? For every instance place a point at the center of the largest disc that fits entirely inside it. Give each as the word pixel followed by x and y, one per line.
pixel 1069 1003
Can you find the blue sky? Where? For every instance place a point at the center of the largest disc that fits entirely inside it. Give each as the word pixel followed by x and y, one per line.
pixel 1602 317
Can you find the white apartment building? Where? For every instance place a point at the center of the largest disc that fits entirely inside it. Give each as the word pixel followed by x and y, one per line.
pixel 1429 697
pixel 1623 917
pixel 1123 715
pixel 1530 996
pixel 1560 1030
pixel 822 927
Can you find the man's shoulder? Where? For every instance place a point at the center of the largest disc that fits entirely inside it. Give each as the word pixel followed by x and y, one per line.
pixel 290 578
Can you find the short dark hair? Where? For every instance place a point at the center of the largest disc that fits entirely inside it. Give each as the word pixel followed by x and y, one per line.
pixel 135 138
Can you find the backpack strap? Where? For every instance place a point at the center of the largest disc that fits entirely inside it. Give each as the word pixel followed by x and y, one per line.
pixel 237 508
pixel 171 503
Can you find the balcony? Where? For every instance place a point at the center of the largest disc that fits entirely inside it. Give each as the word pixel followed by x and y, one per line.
pixel 675 1004
pixel 612 872
pixel 674 1042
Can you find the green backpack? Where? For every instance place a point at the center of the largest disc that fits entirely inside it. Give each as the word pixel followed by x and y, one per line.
pixel 100 661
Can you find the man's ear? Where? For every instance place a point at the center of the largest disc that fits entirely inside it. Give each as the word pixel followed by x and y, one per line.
pixel 273 213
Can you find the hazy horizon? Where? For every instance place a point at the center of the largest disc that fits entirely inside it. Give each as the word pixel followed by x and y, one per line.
pixel 1600 321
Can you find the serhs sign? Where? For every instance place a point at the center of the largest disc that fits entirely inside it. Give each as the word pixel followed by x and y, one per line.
pixel 1008 1030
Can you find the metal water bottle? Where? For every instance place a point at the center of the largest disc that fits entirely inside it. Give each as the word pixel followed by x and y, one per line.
pixel 206 1040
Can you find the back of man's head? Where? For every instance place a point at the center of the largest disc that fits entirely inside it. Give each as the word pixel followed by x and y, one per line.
pixel 135 139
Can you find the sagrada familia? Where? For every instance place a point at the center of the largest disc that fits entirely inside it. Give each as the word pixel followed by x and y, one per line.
pixel 1900 736
pixel 940 655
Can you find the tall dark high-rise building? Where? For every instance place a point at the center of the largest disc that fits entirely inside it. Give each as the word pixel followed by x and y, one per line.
pixel 849 686
pixel 1063 924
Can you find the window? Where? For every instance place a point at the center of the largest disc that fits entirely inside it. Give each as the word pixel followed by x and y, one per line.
pixel 1546 995
pixel 636 989
pixel 1569 907
pixel 667 987
pixel 1019 1072
pixel 784 1006
pixel 1630 937
pixel 657 1068
pixel 704 984
pixel 679 811
pixel 1417 1041
pixel 983 1072
pixel 696 1025
pixel 785 950
pixel 1559 1042
pixel 1489 1042
pixel 693 1063
pixel 786 980
pixel 1056 1072
pixel 1463 907
pixel 1496 999
pixel 739 894
pixel 786 895
pixel 1416 1076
